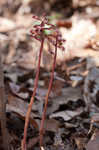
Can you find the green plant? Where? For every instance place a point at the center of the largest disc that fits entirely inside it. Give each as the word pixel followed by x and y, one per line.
pixel 42 30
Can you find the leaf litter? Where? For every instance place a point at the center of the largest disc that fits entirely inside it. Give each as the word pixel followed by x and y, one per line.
pixel 75 91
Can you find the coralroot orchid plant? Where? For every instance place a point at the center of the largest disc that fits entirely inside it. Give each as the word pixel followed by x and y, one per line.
pixel 42 30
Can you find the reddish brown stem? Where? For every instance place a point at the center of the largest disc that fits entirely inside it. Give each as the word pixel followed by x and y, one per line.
pixel 47 95
pixel 32 98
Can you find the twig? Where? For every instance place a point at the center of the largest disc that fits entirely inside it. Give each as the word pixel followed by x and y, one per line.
pixel 3 109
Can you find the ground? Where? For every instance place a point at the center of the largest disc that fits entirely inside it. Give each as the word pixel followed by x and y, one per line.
pixel 73 110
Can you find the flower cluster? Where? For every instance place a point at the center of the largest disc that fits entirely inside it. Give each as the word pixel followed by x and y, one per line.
pixel 43 29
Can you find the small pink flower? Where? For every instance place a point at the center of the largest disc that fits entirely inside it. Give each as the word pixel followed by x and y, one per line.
pixel 43 29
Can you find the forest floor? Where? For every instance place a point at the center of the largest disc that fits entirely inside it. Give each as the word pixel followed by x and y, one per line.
pixel 72 119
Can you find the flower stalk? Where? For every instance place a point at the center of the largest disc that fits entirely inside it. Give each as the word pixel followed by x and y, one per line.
pixel 32 98
pixel 47 96
pixel 42 30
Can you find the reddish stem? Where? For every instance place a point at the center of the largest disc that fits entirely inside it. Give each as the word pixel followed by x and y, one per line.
pixel 32 98
pixel 47 95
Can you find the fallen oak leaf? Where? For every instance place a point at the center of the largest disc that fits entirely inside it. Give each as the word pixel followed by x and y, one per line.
pixel 67 115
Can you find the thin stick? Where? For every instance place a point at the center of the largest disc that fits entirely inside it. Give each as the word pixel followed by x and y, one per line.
pixel 32 98
pixel 46 98
pixel 3 110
